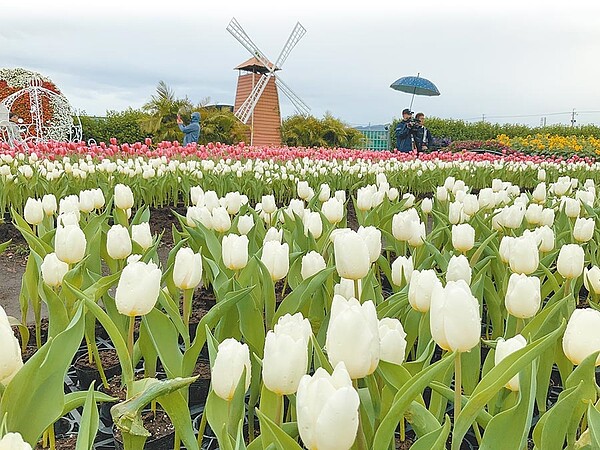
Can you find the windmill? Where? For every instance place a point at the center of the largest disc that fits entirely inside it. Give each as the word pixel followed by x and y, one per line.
pixel 257 97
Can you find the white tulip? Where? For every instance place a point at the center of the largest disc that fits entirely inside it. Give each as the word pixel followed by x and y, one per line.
pixel 441 194
pixel 87 201
pixel 245 224
pixel 417 237
pixel 34 211
pixel 268 204
pixel 221 222
pixel 420 289
pixel 235 251
pixel 211 200
pixel 353 336
pixel 99 200
pixel 372 237
pixel 546 238
pixel 504 250
pixel 364 198
pixel 231 361
pixel 313 224
pixel 393 194
pixel 591 279
pixel 486 199
pixel 403 224
pixel 454 317
pixel 505 348
pixel 324 193
pixel 49 204
pixel 138 288
pixel 456 213
pixel 141 235
pixel 570 261
pixel 583 230
pixel 541 174
pixel 539 193
pixel 523 296
pixel 402 269
pixel 327 410
pixel 69 244
pixel 303 190
pixel 463 237
pixel 286 354
pixel 273 234
pixel 296 206
pixel 352 258
pixel 570 206
pixel 187 271
pixel 276 258
pixel 123 196
pixel 547 217
pixel 392 341
pixel 470 204
pixel 533 215
pixel 118 243
pixel 458 269
pixel 333 210
pixel 524 255
pixel 582 335
pixel 10 356
pixel 53 270
pixel 13 441
pixel 427 205
pixel 346 288
pixel 340 196
pixel 233 202
pixel 197 195
pixel 312 263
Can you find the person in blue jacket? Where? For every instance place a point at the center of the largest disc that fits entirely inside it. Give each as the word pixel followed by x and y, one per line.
pixel 191 132
pixel 404 132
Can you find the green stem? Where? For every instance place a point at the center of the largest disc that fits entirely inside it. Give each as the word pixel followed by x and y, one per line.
pixel 357 290
pixel 457 385
pixel 130 336
pixel 402 429
pixel 520 326
pixel 477 433
pixel 187 306
pixel 361 441
pixel 278 410
pixel 51 437
pixel 284 288
pixel 99 364
pixel 201 429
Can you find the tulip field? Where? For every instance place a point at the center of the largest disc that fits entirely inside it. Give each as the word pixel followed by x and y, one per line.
pixel 320 299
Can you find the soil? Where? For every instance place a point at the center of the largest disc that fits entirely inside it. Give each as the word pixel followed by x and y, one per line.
pixel 29 352
pixel 279 294
pixel 203 300
pixel 202 369
pixel 115 389
pixel 108 358
pixel 63 443
pixel 12 267
pixel 403 445
pixel 159 425
pixel 162 219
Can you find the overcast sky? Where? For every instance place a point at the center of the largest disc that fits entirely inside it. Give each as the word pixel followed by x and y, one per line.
pixel 498 58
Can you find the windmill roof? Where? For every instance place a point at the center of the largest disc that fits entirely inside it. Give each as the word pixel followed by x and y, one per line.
pixel 254 65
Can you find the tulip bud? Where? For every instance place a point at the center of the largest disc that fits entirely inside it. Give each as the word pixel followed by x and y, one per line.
pixel 470 204
pixel 235 251
pixel 49 204
pixel 69 244
pixel 34 211
pixel 312 263
pixel 86 201
pixel 351 256
pixel 211 200
pixel 591 279
pixel 524 256
pixel 199 214
pixel 454 317
pixel 245 224
pixel 13 441
pixel 141 235
pixel 303 190
pixel 582 337
pixel 286 354
pixel 420 288
pixel 273 234
pixel 221 222
pixel 372 237
pixel 118 243
pixel 427 205
pixel 570 261
pixel 69 204
pixel 99 200
pixel 463 237
pixel 333 210
pixel 296 207
pixel 539 193
pixel 187 271
pixel 505 245
pixel 232 358
pixel 364 198
pixel 393 194
pixel 324 193
pixel 276 258
pixel 541 174
pixel 441 194
pixel 410 200
pixel 583 229
pixel 505 348
pixel 123 196
pixel 327 410
pixel 10 356
pixel 353 336
pixel 392 340
pixel 546 239
pixel 402 269
pixel 53 270
pixel 138 288
pixel 197 195
pixel 571 207
pixel 458 269
pixel 313 224
pixel 233 202
pixel 340 196
pixel 547 217
pixel 449 183
pixel 268 204
pixel 523 296
pixel 486 199
pixel 417 237
pixel 456 213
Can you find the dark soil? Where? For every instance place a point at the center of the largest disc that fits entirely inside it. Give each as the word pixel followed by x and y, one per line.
pixel 108 358
pixel 158 424
pixel 203 300
pixel 162 219
pixel 202 369
pixel 279 294
pixel 403 445
pixel 63 443
pixel 29 352
pixel 115 389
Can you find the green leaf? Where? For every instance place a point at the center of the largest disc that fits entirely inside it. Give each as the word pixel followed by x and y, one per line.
pixel 434 440
pixel 282 440
pixel 593 416
pixel 88 427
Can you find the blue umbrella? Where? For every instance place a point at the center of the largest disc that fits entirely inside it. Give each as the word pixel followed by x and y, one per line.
pixel 415 86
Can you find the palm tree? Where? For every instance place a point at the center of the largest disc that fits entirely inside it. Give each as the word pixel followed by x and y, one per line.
pixel 162 110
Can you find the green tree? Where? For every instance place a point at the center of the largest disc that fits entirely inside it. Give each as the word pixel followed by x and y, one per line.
pixel 220 125
pixel 122 125
pixel 162 110
pixel 299 131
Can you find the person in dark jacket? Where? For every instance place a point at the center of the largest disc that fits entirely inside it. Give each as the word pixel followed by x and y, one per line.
pixel 422 137
pixel 191 132
pixel 404 132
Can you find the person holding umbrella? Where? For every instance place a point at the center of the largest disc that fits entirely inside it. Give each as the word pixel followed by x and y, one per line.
pixel 405 132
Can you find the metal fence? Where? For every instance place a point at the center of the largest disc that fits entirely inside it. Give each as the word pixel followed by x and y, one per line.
pixel 376 138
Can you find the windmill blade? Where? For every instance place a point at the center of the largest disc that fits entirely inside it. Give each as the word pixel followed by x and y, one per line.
pixel 245 111
pixel 296 35
pixel 300 106
pixel 236 30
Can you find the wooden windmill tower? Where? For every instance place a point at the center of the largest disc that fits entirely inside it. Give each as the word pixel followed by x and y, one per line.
pixel 257 95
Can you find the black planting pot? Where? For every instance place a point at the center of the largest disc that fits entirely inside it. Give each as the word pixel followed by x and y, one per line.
pixel 64 427
pixel 199 389
pixel 85 375
pixel 209 442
